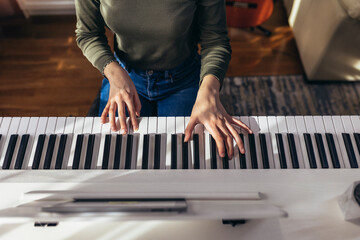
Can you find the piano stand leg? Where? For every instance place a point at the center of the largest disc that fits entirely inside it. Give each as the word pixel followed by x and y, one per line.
pixel 233 222
pixel 45 224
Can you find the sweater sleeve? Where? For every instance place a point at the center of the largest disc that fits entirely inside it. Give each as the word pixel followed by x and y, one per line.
pixel 213 38
pixel 90 33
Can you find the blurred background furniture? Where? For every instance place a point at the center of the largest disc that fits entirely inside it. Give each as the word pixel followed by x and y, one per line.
pixel 327 33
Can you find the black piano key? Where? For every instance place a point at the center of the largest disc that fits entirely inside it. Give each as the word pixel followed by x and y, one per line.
pixel 173 151
pixel 22 150
pixel 350 150
pixel 61 151
pixel 49 151
pixel 225 160
pixel 117 151
pixel 196 153
pixel 157 151
pixel 10 151
pixel 89 151
pixel 242 156
pixel 310 150
pixel 145 157
pixel 106 154
pixel 253 156
pixel 332 150
pixel 281 150
pixel 357 140
pixel 264 152
pixel 185 156
pixel 213 153
pixel 38 151
pixel 129 146
pixel 293 151
pixel 77 154
pixel 321 150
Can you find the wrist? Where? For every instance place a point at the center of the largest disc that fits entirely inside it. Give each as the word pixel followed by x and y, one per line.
pixel 113 70
pixel 210 85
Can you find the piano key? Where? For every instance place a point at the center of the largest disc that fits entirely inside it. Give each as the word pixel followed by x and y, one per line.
pixel 357 140
pixel 161 129
pixel 157 151
pixel 246 142
pixel 50 129
pixel 199 130
pixel 207 142
pixel 117 155
pixel 152 130
pixel 273 129
pixel 10 151
pixel 123 150
pixel 339 129
pixel 106 152
pixel 173 151
pixel 320 128
pixel 356 125
pixel 264 129
pixel 87 129
pixel 78 150
pixel 350 150
pixel 22 129
pixel 129 151
pixel 145 153
pixel 294 136
pixel 333 151
pixel 283 129
pixel 38 151
pixel 196 154
pixel 348 128
pixel 40 129
pixel 321 149
pixel 281 149
pixel 189 145
pixel 179 129
pixel 59 130
pixel 253 156
pixel 339 144
pixel 242 157
pixel 89 151
pixel 61 151
pixel 170 129
pixel 49 151
pixel 185 160
pixel 264 153
pixel 135 144
pixel 293 151
pixel 77 130
pixel 22 150
pixel 13 126
pixel 225 160
pixel 31 131
pixel 301 128
pixel 213 153
pixel 310 150
pixel 96 131
pixel 4 128
pixel 69 131
pixel 255 127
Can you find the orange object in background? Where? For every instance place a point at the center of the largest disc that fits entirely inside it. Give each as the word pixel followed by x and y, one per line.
pixel 248 13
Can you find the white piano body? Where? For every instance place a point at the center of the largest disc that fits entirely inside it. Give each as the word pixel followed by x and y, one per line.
pixel 293 204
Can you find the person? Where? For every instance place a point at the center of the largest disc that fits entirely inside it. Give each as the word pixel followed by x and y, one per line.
pixel 156 68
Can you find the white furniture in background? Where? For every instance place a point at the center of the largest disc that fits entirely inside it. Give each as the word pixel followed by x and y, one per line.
pixel 47 7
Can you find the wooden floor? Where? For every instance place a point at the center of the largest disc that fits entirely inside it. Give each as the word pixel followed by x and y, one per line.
pixel 43 72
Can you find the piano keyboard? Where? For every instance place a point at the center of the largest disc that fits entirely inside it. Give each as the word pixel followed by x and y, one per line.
pixel 291 142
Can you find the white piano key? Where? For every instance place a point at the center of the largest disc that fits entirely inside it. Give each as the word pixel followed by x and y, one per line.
pixel 273 129
pixel 254 126
pixel 41 127
pixel 282 128
pixel 264 128
pixel 207 142
pixel 123 151
pixel 143 129
pixel 13 128
pixel 320 128
pixel 78 129
pixel 97 132
pixel 161 129
pixel 87 129
pixel 152 129
pixel 310 127
pixel 105 129
pixel 135 146
pixel 32 132
pixel 356 123
pixel 291 126
pixel 190 145
pixel 348 128
pixel 5 125
pixel 23 126
pixel 339 129
pixel 112 149
pixel 59 129
pixel 301 128
pixel 69 131
pixel 50 129
pixel 180 126
pixel 329 128
pixel 246 143
pixel 170 129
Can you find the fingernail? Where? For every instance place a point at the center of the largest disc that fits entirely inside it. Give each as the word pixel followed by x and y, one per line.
pixel 122 131
pixel 222 154
pixel 136 128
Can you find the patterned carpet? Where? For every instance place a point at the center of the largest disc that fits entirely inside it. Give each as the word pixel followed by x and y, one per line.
pixel 288 95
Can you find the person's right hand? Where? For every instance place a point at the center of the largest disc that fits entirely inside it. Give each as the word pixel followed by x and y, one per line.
pixel 122 94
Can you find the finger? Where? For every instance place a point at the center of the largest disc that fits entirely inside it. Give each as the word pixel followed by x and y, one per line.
pixel 112 110
pixel 189 129
pixel 241 124
pixel 137 104
pixel 104 116
pixel 131 109
pixel 219 139
pixel 228 139
pixel 122 117
pixel 236 136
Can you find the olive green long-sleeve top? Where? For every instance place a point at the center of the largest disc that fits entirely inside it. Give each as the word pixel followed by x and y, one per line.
pixel 155 34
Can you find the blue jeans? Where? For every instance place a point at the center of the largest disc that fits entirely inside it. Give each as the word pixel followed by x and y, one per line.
pixel 162 93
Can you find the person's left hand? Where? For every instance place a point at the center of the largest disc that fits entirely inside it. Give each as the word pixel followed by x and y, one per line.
pixel 209 111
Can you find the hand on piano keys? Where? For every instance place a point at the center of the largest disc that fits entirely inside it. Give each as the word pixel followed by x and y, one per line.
pixel 84 143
